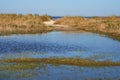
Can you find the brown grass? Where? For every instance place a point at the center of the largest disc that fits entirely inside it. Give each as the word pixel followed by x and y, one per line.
pixel 64 61
pixel 22 24
pixel 108 25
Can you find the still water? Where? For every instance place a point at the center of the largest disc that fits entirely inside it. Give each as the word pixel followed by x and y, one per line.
pixel 62 44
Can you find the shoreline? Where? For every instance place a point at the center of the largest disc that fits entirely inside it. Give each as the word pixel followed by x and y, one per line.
pixel 109 26
pixel 34 24
pixel 58 27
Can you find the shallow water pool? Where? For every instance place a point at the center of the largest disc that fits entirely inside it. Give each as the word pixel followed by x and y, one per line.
pixel 64 45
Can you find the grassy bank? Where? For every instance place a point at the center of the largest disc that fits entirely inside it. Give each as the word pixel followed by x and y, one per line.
pixel 23 24
pixel 64 61
pixel 105 25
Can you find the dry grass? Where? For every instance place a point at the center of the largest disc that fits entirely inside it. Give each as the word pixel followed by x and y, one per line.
pixel 22 24
pixel 64 61
pixel 108 25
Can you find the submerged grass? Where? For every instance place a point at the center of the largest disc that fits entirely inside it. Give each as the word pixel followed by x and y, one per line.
pixel 106 25
pixel 63 61
pixel 17 66
pixel 23 24
pixel 24 75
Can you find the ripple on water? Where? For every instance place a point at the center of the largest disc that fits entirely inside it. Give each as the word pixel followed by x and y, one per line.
pixel 60 44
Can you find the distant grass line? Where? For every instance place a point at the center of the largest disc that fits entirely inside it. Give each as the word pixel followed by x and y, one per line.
pixel 23 24
pixel 64 61
pixel 107 25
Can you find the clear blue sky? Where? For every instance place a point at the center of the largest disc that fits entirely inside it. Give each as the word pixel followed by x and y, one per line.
pixel 62 7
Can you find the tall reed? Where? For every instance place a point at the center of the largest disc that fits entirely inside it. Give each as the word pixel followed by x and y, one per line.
pixel 22 24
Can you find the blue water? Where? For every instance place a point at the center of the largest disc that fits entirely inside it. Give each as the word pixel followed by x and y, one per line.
pixel 56 17
pixel 60 44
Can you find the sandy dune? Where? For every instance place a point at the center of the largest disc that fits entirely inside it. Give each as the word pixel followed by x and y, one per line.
pixel 58 27
pixel 51 23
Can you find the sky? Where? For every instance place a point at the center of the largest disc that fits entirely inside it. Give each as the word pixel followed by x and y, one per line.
pixel 62 7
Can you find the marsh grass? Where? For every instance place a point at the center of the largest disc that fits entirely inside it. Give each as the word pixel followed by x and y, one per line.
pixel 20 66
pixel 64 61
pixel 104 25
pixel 23 24
pixel 27 67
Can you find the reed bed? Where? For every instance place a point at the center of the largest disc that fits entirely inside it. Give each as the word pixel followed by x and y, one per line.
pixel 23 24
